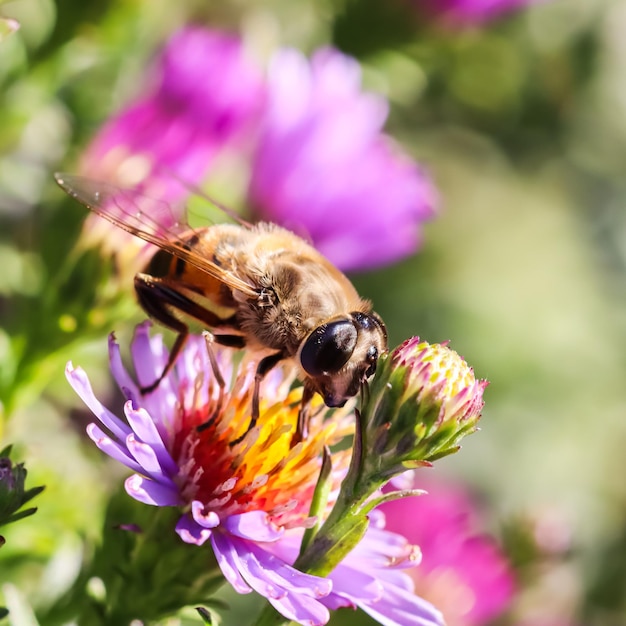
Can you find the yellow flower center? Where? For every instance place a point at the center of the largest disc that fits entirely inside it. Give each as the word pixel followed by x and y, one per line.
pixel 232 469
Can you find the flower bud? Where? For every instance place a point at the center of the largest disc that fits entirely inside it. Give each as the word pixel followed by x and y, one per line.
pixel 422 402
pixel 12 493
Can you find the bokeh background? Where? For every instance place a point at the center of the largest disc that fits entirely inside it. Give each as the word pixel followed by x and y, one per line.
pixel 521 122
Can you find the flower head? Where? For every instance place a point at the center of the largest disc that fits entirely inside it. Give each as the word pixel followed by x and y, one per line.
pixel 423 400
pixel 322 166
pixel 463 571
pixel 309 139
pixel 204 96
pixel 13 494
pixel 247 493
pixel 205 90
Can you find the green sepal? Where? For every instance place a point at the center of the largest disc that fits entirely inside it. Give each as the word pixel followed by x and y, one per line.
pixel 320 499
pixel 332 544
pixel 390 497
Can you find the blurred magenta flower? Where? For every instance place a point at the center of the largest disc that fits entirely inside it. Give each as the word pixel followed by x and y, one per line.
pixel 204 92
pixel 320 164
pixel 245 492
pixel 465 12
pixel 324 169
pixel 464 573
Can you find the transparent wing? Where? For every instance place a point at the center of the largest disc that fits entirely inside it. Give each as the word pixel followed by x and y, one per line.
pixel 150 219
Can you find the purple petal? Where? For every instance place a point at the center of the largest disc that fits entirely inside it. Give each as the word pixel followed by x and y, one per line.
pixel 227 560
pixel 143 425
pixel 399 607
pixel 147 457
pixel 291 592
pixel 120 373
pixel 276 570
pixel 148 360
pixel 254 525
pixel 323 168
pixel 80 383
pixel 205 520
pixel 191 532
pixel 382 548
pixel 356 584
pixel 151 492
pixel 301 609
pixel 112 448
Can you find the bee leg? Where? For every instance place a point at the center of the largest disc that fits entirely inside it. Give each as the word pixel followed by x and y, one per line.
pixel 265 365
pixel 154 297
pixel 304 414
pixel 209 338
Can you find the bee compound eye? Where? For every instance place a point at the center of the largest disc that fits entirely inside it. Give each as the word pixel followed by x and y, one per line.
pixel 328 348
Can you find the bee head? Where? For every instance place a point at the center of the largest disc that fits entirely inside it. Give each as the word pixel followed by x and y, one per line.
pixel 340 354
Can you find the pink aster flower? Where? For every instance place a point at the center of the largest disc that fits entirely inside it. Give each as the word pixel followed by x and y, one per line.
pixel 204 96
pixel 311 138
pixel 204 92
pixel 463 572
pixel 323 167
pixel 247 494
pixel 465 12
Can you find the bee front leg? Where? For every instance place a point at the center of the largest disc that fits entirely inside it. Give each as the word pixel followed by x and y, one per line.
pixel 304 414
pixel 265 365
pixel 154 297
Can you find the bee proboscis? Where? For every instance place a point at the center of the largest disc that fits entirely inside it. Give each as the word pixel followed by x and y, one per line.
pixel 259 287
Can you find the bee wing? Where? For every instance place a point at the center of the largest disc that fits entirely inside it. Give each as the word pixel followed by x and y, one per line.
pixel 152 220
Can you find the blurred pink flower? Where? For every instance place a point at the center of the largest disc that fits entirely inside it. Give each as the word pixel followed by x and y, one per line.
pixel 463 573
pixel 470 11
pixel 324 169
pixel 205 91
pixel 321 165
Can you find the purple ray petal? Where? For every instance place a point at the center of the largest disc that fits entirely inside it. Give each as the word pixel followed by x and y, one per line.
pixel 253 525
pixel 112 448
pixel 383 548
pixel 205 520
pixel 276 570
pixel 227 560
pixel 147 457
pixel 143 425
pixel 81 385
pixel 148 360
pixel 191 532
pixel 356 584
pixel 151 492
pixel 120 373
pixel 301 609
pixel 402 608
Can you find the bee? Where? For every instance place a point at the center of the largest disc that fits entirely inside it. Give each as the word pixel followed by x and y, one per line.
pixel 258 287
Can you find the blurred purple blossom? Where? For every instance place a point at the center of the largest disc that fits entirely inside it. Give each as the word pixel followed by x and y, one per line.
pixel 246 493
pixel 463 572
pixel 323 168
pixel 321 165
pixel 204 93
pixel 466 12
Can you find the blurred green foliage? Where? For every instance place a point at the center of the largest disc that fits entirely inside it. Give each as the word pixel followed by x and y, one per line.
pixel 522 124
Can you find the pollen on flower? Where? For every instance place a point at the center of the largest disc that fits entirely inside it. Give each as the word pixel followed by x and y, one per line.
pixel 251 470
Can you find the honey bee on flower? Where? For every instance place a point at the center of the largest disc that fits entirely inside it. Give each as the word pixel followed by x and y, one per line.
pixel 259 287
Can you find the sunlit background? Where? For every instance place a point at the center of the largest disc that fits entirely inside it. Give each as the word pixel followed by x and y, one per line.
pixel 521 122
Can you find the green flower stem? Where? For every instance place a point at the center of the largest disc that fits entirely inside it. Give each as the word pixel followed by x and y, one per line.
pixel 340 533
